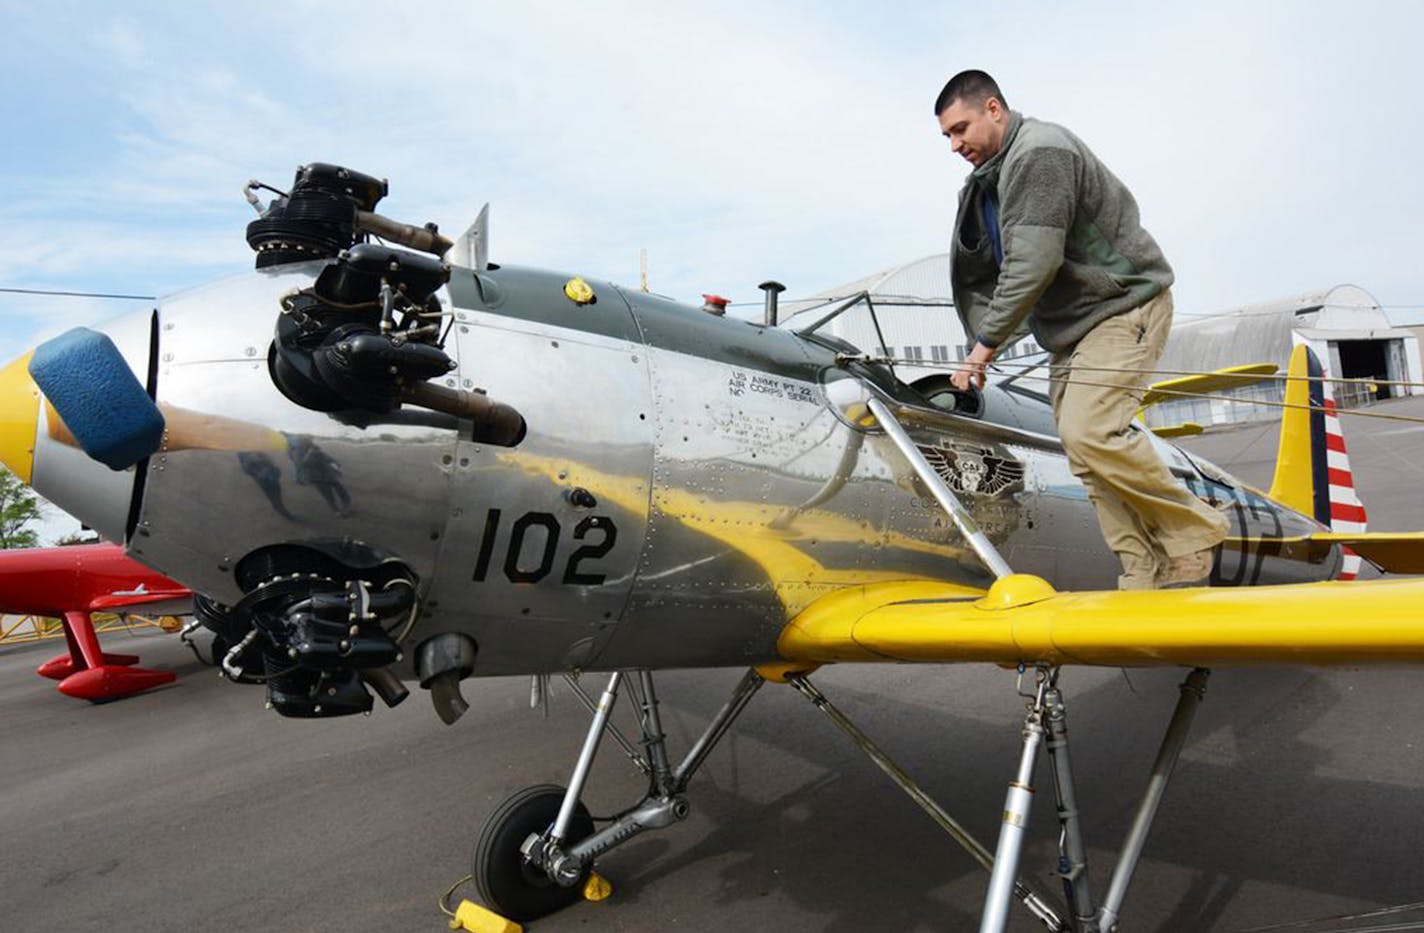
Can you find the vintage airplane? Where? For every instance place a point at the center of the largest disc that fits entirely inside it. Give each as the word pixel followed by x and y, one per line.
pixel 70 584
pixel 449 469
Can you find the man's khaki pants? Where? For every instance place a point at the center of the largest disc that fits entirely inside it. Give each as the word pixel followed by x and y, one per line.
pixel 1146 513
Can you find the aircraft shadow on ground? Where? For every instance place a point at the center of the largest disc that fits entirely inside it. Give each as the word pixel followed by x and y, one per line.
pixel 845 842
pixel 789 809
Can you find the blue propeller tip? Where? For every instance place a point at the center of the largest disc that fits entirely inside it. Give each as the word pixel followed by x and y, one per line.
pixel 105 407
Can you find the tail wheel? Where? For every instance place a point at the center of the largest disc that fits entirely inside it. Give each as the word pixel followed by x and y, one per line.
pixel 508 883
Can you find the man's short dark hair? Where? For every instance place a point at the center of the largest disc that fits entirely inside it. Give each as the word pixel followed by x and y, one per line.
pixel 973 87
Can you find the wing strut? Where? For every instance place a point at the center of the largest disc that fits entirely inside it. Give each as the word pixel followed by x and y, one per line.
pixel 1193 689
pixel 1045 727
pixel 1020 887
pixel 1046 724
pixel 940 490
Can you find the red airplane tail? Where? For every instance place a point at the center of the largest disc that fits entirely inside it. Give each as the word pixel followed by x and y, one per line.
pixel 60 667
pixel 89 673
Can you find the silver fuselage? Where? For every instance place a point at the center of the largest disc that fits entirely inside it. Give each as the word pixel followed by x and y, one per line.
pixel 686 485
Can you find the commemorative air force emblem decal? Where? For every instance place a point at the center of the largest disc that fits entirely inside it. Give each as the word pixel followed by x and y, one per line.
pixel 973 470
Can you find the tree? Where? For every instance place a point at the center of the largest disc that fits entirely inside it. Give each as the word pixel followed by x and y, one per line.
pixel 19 508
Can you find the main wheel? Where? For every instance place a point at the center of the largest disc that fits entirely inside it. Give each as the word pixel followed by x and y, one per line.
pixel 507 882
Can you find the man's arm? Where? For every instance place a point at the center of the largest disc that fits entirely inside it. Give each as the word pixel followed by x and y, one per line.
pixel 1038 203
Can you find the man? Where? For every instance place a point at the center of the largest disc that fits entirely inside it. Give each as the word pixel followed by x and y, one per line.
pixel 1046 236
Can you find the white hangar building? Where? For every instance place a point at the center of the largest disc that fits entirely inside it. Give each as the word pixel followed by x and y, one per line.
pixel 1344 325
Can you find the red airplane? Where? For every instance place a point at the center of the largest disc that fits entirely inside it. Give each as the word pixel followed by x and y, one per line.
pixel 72 582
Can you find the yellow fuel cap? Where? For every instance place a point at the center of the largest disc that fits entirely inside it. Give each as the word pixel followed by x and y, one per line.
pixel 578 291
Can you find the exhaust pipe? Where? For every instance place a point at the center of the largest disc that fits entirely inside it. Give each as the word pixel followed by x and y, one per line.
pixel 772 289
pixel 441 663
pixel 494 422
pixel 387 685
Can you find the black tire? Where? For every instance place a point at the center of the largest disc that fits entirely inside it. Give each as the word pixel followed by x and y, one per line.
pixel 509 885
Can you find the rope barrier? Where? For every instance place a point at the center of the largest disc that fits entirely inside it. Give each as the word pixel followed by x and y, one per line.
pixel 1208 396
pixel 1244 377
pixel 65 294
pixel 1406 419
pixel 1180 393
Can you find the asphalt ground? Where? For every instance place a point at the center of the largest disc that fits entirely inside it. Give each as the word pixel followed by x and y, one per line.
pixel 1298 796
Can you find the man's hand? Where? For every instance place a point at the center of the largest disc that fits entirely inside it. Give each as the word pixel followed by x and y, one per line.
pixel 972 369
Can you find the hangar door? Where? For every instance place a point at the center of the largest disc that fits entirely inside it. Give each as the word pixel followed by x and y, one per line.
pixel 1371 359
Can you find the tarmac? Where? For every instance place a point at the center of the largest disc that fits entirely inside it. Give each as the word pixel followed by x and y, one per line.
pixel 1298 796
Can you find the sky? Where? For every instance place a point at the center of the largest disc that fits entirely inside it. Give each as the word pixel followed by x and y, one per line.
pixel 1273 148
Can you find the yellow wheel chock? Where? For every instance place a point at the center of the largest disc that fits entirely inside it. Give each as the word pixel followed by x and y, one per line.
pixel 597 888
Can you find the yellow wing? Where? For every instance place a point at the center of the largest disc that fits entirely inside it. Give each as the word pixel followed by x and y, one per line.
pixel 1185 429
pixel 1023 619
pixel 1230 378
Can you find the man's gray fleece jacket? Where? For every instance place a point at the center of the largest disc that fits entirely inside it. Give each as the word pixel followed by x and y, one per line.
pixel 1074 249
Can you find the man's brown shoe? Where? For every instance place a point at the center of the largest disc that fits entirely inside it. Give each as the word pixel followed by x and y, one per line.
pixel 1186 570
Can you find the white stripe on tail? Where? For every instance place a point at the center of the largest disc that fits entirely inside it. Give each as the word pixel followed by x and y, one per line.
pixel 1347 512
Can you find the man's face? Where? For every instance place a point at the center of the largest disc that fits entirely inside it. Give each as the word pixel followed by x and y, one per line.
pixel 975 131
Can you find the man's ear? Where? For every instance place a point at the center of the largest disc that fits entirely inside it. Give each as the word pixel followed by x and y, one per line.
pixel 994 107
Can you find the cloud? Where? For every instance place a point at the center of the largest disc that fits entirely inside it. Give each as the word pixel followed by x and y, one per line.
pixel 1268 144
pixel 120 41
pixel 1272 146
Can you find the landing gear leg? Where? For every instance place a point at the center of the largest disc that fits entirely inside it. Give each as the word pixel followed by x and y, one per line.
pixel 1072 854
pixel 539 847
pixel 1017 803
pixel 1046 723
pixel 585 759
pixel 519 867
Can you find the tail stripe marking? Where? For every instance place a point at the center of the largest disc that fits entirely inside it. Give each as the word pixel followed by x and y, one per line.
pixel 1347 514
